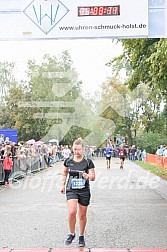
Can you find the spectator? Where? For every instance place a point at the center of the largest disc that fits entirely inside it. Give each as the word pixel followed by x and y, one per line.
pixel 129 153
pixel 138 153
pixel 165 152
pixel 143 155
pixel 66 152
pixel 50 159
pixel 7 150
pixel 7 165
pixel 157 151
pixel 133 153
pixel 160 151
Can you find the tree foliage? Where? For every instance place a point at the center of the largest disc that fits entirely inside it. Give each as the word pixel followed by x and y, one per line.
pixel 7 79
pixel 151 140
pixel 145 61
pixel 131 111
pixel 50 104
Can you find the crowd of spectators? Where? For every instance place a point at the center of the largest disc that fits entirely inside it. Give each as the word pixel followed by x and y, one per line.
pixel 31 157
pixel 161 151
pixel 136 153
pixel 52 153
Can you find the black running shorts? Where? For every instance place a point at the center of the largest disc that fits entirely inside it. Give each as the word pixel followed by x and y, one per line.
pixel 82 195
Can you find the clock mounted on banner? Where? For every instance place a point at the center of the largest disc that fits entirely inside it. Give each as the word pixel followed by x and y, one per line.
pixel 98 11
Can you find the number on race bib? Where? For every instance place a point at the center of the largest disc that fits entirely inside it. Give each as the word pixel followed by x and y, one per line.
pixel 78 183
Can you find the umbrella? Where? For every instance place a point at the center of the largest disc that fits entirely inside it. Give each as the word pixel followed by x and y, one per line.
pixel 31 141
pixel 53 141
pixel 39 142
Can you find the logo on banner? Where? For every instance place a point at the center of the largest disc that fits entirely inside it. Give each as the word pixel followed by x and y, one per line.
pixel 46 14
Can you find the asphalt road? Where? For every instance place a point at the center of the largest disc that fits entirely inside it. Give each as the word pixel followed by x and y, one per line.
pixel 128 210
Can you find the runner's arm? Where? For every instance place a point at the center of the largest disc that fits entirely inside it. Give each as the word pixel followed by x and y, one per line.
pixel 63 180
pixel 90 175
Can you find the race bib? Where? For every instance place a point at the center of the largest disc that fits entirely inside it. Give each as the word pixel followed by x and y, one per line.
pixel 78 183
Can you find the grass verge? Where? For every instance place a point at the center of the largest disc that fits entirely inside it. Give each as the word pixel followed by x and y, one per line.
pixel 153 169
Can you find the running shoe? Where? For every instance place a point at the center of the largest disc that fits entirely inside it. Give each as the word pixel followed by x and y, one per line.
pixel 81 241
pixel 69 239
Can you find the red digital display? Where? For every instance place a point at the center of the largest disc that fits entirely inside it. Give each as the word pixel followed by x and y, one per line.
pixel 99 11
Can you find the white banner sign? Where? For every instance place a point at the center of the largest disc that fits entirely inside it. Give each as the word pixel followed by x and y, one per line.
pixel 54 19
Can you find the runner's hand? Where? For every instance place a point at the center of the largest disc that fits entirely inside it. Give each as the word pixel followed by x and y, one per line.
pixel 85 175
pixel 62 190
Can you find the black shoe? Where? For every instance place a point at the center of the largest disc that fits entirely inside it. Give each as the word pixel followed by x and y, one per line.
pixel 69 239
pixel 81 241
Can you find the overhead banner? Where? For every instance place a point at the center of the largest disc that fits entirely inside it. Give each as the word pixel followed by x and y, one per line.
pixel 54 19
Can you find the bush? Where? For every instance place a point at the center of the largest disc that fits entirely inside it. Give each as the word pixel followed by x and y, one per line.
pixel 150 141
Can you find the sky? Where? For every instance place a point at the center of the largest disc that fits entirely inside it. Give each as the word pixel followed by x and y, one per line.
pixel 89 56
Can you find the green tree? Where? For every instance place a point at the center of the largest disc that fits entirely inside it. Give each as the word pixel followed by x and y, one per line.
pixel 164 117
pixel 51 97
pixel 125 108
pixel 145 63
pixel 137 58
pixel 56 96
pixel 150 141
pixel 7 79
pixel 53 84
pixel 20 117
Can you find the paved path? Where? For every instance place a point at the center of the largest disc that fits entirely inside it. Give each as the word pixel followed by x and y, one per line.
pixel 128 210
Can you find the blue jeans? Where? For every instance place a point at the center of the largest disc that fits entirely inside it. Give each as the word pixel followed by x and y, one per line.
pixel 133 157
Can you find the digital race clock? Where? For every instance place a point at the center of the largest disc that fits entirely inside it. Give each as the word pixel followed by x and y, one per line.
pixel 99 11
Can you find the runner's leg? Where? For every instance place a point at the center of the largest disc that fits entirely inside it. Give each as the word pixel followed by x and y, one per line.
pixel 72 211
pixel 109 162
pixel 82 218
